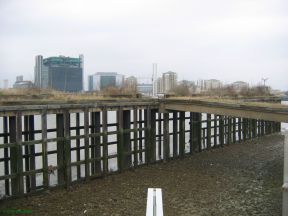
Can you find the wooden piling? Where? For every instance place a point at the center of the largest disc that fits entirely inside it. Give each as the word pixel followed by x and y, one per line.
pixel 60 148
pixel 78 144
pixel 254 128
pixel 175 134
pixel 86 144
pixel 13 155
pixel 135 136
pixel 229 130
pixel 140 136
pixel 239 125
pixel 44 148
pixel 29 152
pixel 182 135
pixel 19 176
pixel 166 137
pixel 6 155
pixel 196 132
pixel 95 143
pixel 208 125
pixel 105 140
pixel 153 136
pixel 215 131
pixel 234 129
pixel 127 156
pixel 160 135
pixel 67 148
pixel 221 131
pixel 120 139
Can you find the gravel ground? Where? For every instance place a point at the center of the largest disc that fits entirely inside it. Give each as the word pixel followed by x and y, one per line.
pixel 240 179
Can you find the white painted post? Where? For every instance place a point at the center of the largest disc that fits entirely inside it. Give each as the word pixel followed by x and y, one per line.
pixel 154 202
pixel 285 185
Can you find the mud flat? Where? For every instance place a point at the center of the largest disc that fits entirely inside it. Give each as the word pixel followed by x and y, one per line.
pixel 240 179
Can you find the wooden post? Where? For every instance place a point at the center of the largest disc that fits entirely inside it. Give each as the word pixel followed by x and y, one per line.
pixel 15 132
pixel 86 143
pixel 244 129
pixel 239 123
pixel 250 126
pixel 135 135
pixel 182 135
pixel 234 129
pixel 140 136
pixel 254 128
pixel 175 134
pixel 13 154
pixel 95 143
pixel 78 144
pixel 199 130
pixel 67 148
pixel 196 132
pixel 215 131
pixel 208 125
pixel 92 142
pixel 60 148
pixel 32 151
pixel 229 132
pixel 127 156
pixel 153 136
pixel 105 140
pixel 191 133
pixel 120 139
pixel 29 152
pixel 6 155
pixel 262 127
pixel 44 148
pixel 221 130
pixel 148 144
pixel 19 176
pixel 160 135
pixel 166 137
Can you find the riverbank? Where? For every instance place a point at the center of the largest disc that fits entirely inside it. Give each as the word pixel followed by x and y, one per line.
pixel 241 179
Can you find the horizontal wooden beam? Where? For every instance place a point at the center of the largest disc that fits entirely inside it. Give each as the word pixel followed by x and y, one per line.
pixel 253 112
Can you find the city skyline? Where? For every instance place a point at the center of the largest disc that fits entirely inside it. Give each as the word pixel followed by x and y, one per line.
pixel 225 40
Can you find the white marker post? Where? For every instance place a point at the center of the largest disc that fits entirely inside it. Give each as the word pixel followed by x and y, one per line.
pixel 154 202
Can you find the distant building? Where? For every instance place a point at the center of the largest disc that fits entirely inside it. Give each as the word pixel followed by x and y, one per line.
pixel 239 85
pixel 19 78
pixel 131 82
pixel 159 85
pixel 169 81
pixel 212 84
pixel 59 73
pixel 20 83
pixel 145 89
pixel 102 80
pixel 5 84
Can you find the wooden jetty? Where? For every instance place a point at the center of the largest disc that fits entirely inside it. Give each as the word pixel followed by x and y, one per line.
pixel 144 132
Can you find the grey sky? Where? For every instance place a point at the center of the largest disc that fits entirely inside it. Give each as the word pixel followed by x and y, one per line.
pixel 228 40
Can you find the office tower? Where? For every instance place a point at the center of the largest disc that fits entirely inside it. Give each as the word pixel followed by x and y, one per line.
pixel 60 73
pixel 101 80
pixel 169 81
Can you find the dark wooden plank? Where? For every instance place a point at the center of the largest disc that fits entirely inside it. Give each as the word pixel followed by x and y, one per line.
pixel 166 137
pixel 182 135
pixel 44 148
pixel 86 143
pixel 175 134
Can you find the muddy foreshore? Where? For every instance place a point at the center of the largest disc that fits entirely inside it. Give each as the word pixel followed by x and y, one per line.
pixel 239 179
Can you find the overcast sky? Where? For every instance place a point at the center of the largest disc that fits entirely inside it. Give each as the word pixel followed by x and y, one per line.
pixel 229 40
